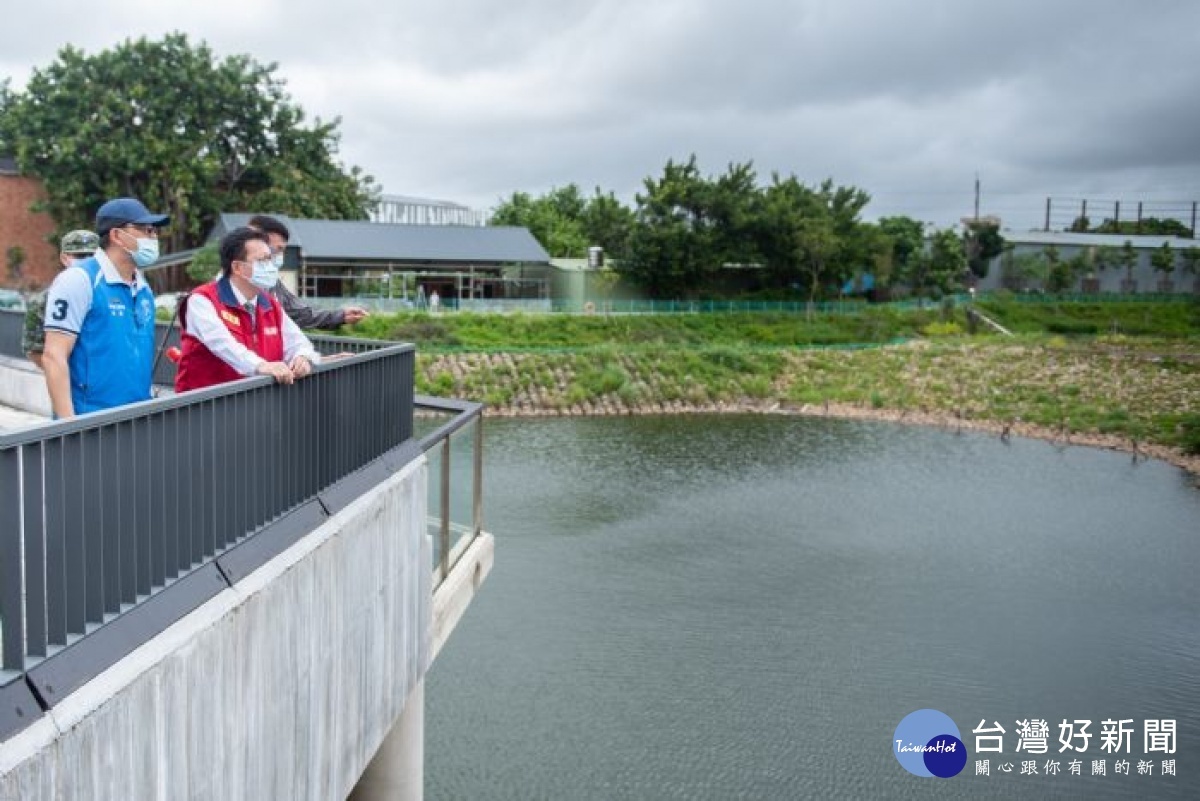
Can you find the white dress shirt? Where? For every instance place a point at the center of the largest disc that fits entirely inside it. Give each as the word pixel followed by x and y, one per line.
pixel 204 324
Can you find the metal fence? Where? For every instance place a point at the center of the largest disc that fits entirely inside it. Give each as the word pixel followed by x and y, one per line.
pixel 102 514
pixel 455 453
pixel 12 326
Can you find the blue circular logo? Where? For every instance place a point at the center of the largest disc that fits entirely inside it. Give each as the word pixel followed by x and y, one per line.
pixel 927 743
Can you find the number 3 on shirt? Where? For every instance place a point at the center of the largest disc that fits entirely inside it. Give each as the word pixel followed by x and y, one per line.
pixel 60 310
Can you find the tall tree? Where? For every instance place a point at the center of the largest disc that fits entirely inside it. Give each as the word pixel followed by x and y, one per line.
pixel 608 223
pixel 983 242
pixel 1105 256
pixel 733 205
pixel 941 268
pixel 170 123
pixel 566 223
pixel 1127 257
pixel 671 252
pixel 905 242
pixel 554 220
pixel 1163 260
pixel 1191 260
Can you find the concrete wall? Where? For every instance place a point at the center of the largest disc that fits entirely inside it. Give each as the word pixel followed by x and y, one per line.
pixel 282 687
pixel 22 386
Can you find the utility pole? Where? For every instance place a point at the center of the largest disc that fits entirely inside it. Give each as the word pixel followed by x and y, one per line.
pixel 977 197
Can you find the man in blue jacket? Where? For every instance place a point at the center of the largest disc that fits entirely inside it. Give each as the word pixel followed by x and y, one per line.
pixel 99 322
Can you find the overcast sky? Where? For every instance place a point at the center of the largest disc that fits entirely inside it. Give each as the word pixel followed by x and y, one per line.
pixel 472 100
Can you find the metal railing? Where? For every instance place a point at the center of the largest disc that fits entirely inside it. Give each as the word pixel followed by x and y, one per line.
pixel 12 327
pixel 454 449
pixel 102 514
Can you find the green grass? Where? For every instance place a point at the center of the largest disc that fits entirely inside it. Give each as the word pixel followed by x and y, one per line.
pixel 1140 387
pixel 872 325
pixel 1171 320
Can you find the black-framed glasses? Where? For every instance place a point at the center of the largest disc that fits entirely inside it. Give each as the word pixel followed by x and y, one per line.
pixel 148 230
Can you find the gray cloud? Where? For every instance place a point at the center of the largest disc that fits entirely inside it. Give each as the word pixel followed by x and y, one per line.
pixel 908 100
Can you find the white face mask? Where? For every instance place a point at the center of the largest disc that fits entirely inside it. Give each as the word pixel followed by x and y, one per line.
pixel 265 274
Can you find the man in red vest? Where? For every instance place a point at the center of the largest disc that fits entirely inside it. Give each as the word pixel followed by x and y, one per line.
pixel 234 327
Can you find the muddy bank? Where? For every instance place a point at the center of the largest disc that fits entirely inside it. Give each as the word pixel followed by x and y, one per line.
pixel 1136 450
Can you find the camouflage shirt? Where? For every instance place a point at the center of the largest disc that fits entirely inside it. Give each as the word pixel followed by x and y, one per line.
pixel 33 340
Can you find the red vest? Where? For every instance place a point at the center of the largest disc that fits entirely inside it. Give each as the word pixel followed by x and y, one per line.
pixel 198 366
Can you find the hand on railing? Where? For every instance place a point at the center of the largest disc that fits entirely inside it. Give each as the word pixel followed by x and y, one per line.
pixel 280 371
pixel 300 367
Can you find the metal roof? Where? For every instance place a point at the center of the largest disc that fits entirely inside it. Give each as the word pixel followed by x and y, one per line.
pixel 355 240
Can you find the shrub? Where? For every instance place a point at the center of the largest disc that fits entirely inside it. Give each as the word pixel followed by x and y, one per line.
pixel 947 329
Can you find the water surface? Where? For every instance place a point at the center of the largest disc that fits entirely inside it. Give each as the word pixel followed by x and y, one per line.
pixel 747 606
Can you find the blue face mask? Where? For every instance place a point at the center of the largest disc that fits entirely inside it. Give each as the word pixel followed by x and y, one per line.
pixel 146 252
pixel 265 274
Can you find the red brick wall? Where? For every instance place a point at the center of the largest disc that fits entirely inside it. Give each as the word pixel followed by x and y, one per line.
pixel 20 226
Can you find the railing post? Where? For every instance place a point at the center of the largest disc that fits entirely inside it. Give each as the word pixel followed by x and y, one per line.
pixel 477 499
pixel 12 590
pixel 444 533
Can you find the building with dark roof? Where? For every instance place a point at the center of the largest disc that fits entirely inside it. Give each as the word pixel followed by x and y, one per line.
pixel 350 258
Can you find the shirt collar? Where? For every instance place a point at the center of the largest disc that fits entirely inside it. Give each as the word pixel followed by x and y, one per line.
pixel 113 276
pixel 230 295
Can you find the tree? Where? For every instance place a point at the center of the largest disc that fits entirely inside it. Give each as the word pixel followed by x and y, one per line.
pixel 608 223
pixel 671 248
pixel 1151 226
pixel 982 242
pixel 605 280
pixel 1127 257
pixel 1105 256
pixel 1063 273
pixel 169 123
pixel 567 224
pixel 905 242
pixel 944 263
pixel 1163 261
pixel 205 264
pixel 1058 272
pixel 554 219
pixel 1025 270
pixel 733 205
pixel 1191 260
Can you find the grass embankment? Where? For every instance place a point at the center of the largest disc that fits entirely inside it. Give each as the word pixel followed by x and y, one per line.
pixel 1122 374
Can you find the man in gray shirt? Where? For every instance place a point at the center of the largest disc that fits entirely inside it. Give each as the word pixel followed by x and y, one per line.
pixel 301 314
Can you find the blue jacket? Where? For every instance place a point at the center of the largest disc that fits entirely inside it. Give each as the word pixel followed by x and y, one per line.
pixel 113 356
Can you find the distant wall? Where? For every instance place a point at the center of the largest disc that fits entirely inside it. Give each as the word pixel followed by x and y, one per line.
pixel 1145 276
pixel 23 228
pixel 283 686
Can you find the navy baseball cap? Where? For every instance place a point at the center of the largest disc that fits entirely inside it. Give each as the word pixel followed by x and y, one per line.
pixel 126 211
